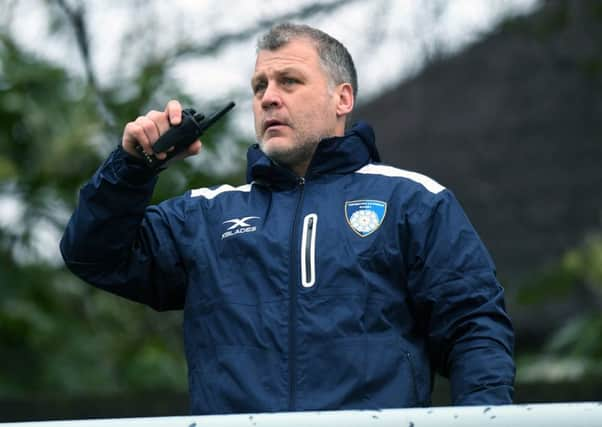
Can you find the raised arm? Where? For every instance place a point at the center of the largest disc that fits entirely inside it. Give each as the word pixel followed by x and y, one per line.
pixel 114 240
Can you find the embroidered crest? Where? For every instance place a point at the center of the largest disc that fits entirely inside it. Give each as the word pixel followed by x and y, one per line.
pixel 365 216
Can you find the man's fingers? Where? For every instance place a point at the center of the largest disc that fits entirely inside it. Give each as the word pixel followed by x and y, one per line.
pixel 150 128
pixel 194 148
pixel 191 150
pixel 133 135
pixel 160 119
pixel 174 112
pixel 147 129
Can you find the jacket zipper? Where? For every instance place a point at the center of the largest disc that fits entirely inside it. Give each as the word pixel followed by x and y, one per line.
pixel 308 251
pixel 414 385
pixel 292 317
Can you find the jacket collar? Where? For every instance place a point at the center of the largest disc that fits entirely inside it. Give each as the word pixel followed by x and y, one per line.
pixel 336 155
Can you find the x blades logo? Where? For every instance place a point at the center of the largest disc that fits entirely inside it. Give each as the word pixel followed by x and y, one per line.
pixel 239 226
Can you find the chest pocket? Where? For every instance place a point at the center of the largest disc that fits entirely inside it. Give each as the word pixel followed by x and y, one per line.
pixel 356 250
pixel 250 267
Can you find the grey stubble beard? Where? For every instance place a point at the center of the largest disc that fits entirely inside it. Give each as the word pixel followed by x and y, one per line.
pixel 301 153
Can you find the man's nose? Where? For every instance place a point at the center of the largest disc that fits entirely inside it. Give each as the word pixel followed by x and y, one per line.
pixel 271 97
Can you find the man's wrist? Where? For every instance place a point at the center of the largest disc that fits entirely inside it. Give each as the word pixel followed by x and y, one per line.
pixel 132 169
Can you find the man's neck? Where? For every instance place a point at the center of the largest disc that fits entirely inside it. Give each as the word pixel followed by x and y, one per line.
pixel 301 169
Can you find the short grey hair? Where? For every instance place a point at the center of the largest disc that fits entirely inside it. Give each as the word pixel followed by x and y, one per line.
pixel 335 58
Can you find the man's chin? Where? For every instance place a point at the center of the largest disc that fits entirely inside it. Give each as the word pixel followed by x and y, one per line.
pixel 281 155
pixel 276 146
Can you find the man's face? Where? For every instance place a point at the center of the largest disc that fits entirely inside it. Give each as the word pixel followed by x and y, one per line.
pixel 293 104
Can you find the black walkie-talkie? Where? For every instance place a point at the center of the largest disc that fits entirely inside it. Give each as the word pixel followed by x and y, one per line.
pixel 179 137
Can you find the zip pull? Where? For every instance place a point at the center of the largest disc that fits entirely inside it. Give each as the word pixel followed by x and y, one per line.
pixel 308 250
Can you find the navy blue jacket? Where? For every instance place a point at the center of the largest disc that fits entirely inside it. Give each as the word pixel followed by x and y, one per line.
pixel 344 289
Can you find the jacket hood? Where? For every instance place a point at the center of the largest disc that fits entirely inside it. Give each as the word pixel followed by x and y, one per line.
pixel 336 155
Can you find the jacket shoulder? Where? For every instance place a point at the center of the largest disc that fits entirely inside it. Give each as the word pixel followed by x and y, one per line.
pixel 410 177
pixel 212 192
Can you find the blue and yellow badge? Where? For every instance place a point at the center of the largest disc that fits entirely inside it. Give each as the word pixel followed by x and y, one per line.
pixel 365 216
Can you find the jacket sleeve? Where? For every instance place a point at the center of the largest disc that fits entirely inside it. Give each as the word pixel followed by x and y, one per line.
pixel 116 242
pixel 460 304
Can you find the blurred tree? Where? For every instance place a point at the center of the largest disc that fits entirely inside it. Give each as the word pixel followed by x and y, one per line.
pixel 57 334
pixel 574 351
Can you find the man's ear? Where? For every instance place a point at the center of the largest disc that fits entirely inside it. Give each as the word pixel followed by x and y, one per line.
pixel 344 99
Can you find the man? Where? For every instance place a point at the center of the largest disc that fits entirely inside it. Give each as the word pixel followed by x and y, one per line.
pixel 328 282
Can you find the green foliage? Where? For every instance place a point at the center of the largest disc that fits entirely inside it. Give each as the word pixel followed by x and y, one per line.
pixel 57 334
pixel 44 118
pixel 580 266
pixel 574 351
pixel 61 335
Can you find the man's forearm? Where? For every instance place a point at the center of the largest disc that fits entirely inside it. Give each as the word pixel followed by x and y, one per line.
pixel 109 211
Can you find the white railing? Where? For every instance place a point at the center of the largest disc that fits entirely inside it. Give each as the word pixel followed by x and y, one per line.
pixel 585 414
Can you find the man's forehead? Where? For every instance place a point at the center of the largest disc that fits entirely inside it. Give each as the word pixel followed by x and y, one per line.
pixel 296 53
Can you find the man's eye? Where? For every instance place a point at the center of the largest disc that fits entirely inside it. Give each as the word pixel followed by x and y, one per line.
pixel 258 87
pixel 288 81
